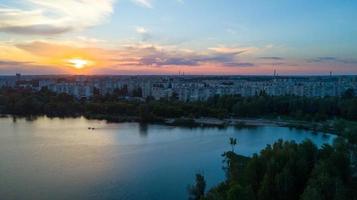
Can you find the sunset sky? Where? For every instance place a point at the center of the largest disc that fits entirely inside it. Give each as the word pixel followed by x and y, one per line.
pixel 171 36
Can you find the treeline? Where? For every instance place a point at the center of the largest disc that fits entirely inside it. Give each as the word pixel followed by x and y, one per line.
pixel 27 102
pixel 307 108
pixel 285 170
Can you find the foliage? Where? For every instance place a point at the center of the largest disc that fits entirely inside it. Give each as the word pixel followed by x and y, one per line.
pixel 287 170
pixel 27 102
pixel 197 191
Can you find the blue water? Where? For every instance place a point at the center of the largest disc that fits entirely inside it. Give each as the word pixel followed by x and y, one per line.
pixel 61 159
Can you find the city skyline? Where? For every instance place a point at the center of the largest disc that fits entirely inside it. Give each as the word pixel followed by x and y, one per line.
pixel 129 37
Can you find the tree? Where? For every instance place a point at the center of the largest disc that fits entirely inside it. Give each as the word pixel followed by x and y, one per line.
pixel 288 170
pixel 233 142
pixel 197 191
pixel 348 94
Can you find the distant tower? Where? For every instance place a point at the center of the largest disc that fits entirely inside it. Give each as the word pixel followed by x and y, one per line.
pixel 274 72
pixel 330 73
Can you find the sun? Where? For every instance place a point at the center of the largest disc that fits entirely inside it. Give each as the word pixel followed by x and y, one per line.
pixel 78 63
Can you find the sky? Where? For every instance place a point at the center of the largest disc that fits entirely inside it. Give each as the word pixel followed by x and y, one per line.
pixel 142 37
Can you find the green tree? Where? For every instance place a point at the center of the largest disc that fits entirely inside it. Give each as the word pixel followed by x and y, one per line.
pixel 197 191
pixel 288 170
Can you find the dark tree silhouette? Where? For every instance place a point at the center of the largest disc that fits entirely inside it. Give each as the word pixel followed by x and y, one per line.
pixel 197 191
pixel 287 170
pixel 233 143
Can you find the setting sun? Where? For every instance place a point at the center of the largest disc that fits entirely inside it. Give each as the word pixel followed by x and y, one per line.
pixel 78 63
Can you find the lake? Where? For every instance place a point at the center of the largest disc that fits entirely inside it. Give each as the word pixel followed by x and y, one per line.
pixel 62 159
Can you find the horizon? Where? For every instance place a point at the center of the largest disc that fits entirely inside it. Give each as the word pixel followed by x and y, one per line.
pixel 157 37
pixel 181 75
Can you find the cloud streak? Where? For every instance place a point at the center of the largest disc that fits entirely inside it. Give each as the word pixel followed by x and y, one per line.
pixel 50 57
pixel 12 67
pixel 51 17
pixel 11 63
pixel 36 29
pixel 139 55
pixel 271 58
pixel 144 3
pixel 161 57
pixel 331 59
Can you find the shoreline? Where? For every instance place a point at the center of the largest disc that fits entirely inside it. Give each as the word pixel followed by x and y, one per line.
pixel 325 127
pixel 206 122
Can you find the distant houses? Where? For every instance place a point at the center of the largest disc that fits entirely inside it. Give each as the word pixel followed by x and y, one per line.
pixel 185 88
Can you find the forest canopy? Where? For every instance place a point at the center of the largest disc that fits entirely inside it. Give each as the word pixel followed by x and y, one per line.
pixel 286 170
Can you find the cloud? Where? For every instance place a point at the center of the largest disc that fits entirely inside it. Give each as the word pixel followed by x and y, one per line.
pixel 10 63
pixel 271 58
pixel 275 63
pixel 144 33
pixel 144 3
pixel 133 58
pixel 331 59
pixel 322 59
pixel 12 67
pixel 36 29
pixel 141 30
pixel 158 57
pixel 49 57
pixel 229 50
pixel 238 64
pixel 44 49
pixel 51 17
pixel 90 40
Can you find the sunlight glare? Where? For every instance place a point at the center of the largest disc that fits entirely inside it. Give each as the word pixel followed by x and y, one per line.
pixel 78 63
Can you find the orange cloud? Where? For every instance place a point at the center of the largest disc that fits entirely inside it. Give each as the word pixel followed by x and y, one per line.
pixel 54 57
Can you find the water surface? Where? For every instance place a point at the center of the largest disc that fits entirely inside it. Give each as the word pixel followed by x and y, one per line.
pixel 62 159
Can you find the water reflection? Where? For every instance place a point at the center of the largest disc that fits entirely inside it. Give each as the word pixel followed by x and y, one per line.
pixel 57 158
pixel 143 129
